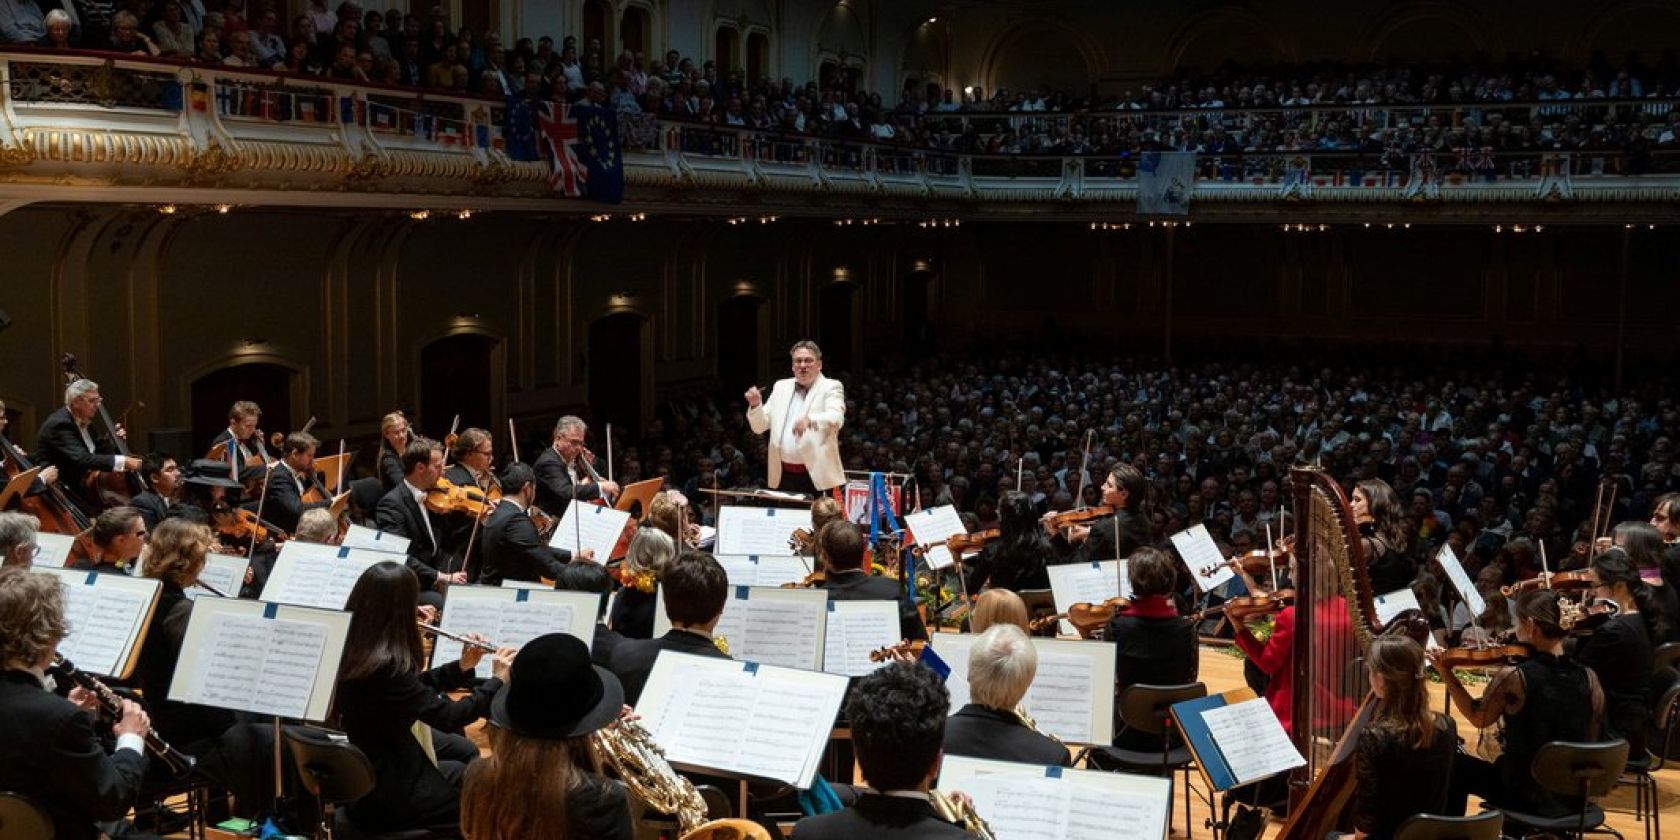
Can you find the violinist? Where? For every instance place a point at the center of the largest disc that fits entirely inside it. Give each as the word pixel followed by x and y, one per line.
pixel 650 553
pixel 67 441
pixel 668 511
pixel 1643 543
pixel 292 479
pixel 403 512
pixel 564 472
pixel 1127 492
pixel 1405 754
pixel 206 487
pixel 119 535
pixel 1376 510
pixel 512 548
pixel 1001 667
pixel 841 549
pixel 1621 651
pixel 162 476
pixel 593 577
pixel 394 437
pixel 18 546
pixel 1154 645
pixel 1016 559
pixel 1275 657
pixel 475 458
pixel 232 750
pixel 1572 711
pixel 244 444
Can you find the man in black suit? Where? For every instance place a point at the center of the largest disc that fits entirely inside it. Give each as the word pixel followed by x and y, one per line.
pixel 242 437
pixel 162 476
pixel 512 548
pixel 593 577
pixel 294 476
pixel 561 473
pixel 1001 667
pixel 403 512
pixel 695 589
pixel 898 724
pixel 67 442
pixel 841 548
pixel 48 749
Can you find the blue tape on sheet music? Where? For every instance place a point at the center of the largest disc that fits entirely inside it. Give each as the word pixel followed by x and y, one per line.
pixel 831 606
pixel 523 596
pixel 271 610
pixel 933 660
pixel 1096 565
pixel 753 559
pixel 770 512
pixel 741 592
pixel 1053 772
pixel 343 553
pixel 92 578
pixel 750 667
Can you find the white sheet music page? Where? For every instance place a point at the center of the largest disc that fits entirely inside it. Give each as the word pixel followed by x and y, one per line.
pixel 740 717
pixel 103 622
pixel 307 575
pixel 764 531
pixel 772 625
pixel 590 526
pixel 1030 802
pixel 504 621
pixel 226 572
pixel 1207 566
pixel 255 664
pixel 1061 696
pixel 55 550
pixel 359 536
pixel 856 628
pixel 759 570
pixel 1252 741
pixel 1460 580
pixel 935 525
pixel 1089 583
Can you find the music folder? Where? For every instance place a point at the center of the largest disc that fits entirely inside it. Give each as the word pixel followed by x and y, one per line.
pixel 267 659
pixel 1039 802
pixel 1236 738
pixel 108 616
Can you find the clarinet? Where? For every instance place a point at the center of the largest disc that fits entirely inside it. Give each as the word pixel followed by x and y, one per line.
pixel 179 763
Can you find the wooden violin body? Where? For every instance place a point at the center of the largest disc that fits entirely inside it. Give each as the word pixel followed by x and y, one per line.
pixel 1249 607
pixel 964 543
pixel 1077 517
pixel 1484 657
pixel 1087 619
pixel 1557 580
pixel 812 580
pixel 446 498
pixel 898 652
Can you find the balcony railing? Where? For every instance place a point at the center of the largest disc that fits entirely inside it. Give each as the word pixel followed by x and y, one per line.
pixel 67 110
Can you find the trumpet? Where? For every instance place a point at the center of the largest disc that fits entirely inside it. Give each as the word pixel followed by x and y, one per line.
pixel 952 809
pixel 179 763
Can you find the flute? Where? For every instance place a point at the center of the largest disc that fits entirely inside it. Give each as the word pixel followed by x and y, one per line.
pixel 431 628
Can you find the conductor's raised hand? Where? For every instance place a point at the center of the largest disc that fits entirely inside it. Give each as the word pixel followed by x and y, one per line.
pixel 502 665
pixel 754 398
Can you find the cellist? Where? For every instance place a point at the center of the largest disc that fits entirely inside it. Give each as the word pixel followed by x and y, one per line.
pixel 65 440
pixel 49 473
pixel 563 474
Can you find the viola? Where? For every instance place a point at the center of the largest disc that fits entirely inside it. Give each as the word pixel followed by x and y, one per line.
pixel 1557 580
pixel 1483 657
pixel 446 498
pixel 1077 517
pixel 898 652
pixel 1086 618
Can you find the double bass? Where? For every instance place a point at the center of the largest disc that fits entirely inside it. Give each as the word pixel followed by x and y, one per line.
pixel 105 488
pixel 56 513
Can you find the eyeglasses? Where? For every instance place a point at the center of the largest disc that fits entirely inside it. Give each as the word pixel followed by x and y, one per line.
pixel 34 551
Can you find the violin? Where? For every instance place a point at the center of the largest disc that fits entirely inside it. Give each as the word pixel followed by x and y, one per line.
pixel 1077 517
pixel 241 524
pixel 447 497
pixel 801 541
pixel 811 581
pixel 964 543
pixel 1484 657
pixel 1254 562
pixel 903 651
pixel 219 452
pixel 1557 580
pixel 545 523
pixel 1086 618
pixel 1249 607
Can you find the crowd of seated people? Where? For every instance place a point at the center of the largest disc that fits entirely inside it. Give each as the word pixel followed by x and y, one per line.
pixel 1234 110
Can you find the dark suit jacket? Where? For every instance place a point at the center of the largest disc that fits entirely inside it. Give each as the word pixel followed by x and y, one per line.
pixel 59 444
pixel 399 514
pixel 462 542
pixel 555 489
pixel 606 641
pixel 283 504
pixel 879 817
pixel 632 660
pixel 178 723
pixel 513 551
pixel 152 508
pixel 377 714
pixel 239 450
pixel 861 586
pixel 390 466
pixel 48 751
pixel 980 732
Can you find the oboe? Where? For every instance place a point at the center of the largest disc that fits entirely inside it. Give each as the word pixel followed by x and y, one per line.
pixel 178 762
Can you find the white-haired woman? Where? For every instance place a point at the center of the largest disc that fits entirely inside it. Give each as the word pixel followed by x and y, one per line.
pixel 1001 667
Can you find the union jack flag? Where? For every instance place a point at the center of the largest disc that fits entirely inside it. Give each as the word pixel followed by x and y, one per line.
pixel 581 142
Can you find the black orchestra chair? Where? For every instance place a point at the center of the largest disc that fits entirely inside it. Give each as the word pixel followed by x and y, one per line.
pixel 1584 770
pixel 1667 656
pixel 1148 708
pixel 1484 826
pixel 22 819
pixel 337 773
pixel 1660 744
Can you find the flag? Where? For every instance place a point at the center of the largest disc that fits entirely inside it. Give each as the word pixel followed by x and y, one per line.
pixel 352 111
pixel 1165 181
pixel 581 142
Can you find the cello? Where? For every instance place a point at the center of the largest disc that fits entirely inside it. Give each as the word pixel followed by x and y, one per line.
pixel 56 513
pixel 105 488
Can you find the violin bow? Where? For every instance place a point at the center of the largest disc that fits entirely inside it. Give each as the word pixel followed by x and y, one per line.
pixel 513 441
pixel 251 550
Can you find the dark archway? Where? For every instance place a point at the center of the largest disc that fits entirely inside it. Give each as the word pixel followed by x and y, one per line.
pixel 726 46
pixel 615 372
pixel 633 30
pixel 758 57
pixel 834 332
pixel 915 312
pixel 739 344
pixel 267 385
pixel 596 15
pixel 458 376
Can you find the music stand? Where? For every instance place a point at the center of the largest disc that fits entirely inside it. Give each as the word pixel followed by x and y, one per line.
pixel 641 493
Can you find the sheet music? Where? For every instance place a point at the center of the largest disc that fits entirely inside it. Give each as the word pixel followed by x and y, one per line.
pixel 1251 740
pixel 758 530
pixel 774 626
pixel 359 536
pixel 708 538
pixel 261 665
pixel 1029 802
pixel 510 583
pixel 741 718
pixel 104 618
pixel 585 525
pixel 226 572
pixel 316 576
pixel 1201 555
pixel 752 570
pixel 1461 581
pixel 935 525
pixel 1391 604
pixel 1089 583
pixel 1071 696
pixel 499 616
pixel 55 550
pixel 855 628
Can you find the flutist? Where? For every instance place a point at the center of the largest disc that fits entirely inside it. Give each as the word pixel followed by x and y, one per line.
pixel 48 749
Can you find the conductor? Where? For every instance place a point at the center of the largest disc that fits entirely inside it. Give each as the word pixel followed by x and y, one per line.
pixel 803 416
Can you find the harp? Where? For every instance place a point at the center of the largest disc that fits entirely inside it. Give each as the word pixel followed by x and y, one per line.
pixel 1335 620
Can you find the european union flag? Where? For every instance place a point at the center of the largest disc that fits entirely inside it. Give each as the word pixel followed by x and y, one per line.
pixel 581 142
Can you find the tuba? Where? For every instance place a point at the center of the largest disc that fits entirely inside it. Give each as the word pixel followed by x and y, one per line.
pixel 629 749
pixel 955 810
